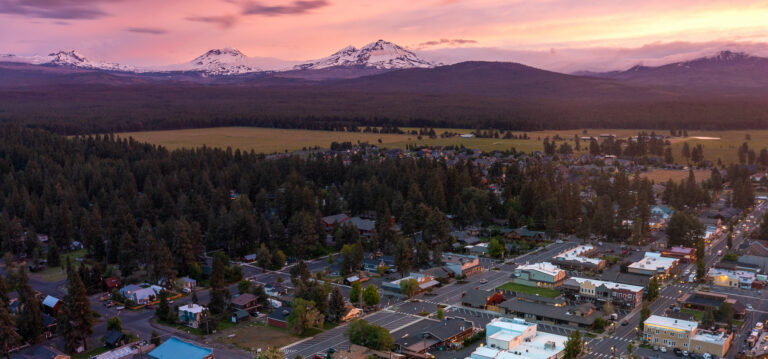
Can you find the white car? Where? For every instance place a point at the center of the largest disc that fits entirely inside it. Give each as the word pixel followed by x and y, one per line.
pixel 749 306
pixel 663 349
pixel 685 353
pixel 706 356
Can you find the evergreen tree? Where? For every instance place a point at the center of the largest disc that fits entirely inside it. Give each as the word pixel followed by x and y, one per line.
pixel 371 296
pixel 653 289
pixel 155 339
pixel 75 318
pixel 53 257
pixel 356 293
pixel 30 319
pixel 403 257
pixel 645 312
pixel 573 346
pixel 163 310
pixel 4 294
pixel 10 338
pixel 336 305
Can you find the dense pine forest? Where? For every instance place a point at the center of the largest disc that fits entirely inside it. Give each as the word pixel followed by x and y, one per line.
pixel 134 204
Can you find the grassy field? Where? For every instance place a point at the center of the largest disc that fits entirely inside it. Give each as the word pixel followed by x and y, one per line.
pixel 696 313
pixel 717 144
pixel 256 335
pixel 543 292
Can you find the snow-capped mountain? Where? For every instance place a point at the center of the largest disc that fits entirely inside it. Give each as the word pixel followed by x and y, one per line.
pixel 70 58
pixel 380 54
pixel 222 62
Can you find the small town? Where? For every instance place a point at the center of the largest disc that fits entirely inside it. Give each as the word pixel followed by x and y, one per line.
pixel 680 284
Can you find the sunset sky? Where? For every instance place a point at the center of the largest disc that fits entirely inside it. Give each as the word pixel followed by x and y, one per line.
pixel 555 34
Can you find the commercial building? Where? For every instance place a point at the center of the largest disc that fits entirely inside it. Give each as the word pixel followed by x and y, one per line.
pixel 175 348
pixel 578 258
pixel 425 282
pixel 483 299
pixel 514 338
pixel 622 295
pixel 653 264
pixel 683 334
pixel 428 335
pixel 684 254
pixel 582 316
pixel 731 278
pixel 703 301
pixel 462 265
pixel 544 275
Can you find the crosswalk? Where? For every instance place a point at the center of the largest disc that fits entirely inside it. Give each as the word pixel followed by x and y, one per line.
pixel 619 338
pixel 668 297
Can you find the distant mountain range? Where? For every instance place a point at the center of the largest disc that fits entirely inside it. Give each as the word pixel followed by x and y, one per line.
pixel 725 70
pixel 379 84
pixel 379 55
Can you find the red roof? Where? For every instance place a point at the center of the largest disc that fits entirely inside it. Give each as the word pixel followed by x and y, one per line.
pixel 112 282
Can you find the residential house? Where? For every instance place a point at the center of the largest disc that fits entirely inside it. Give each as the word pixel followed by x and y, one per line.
pixel 279 317
pixel 114 339
pixel 111 283
pixel 141 295
pixel 247 302
pixel 545 275
pixel 175 348
pixel 51 305
pixel 514 338
pixel 524 233
pixel 192 314
pixel 329 221
pixel 239 316
pixel 187 284
pixel 365 227
pixel 685 335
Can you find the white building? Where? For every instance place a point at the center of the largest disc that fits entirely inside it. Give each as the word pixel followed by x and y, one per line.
pixel 514 338
pixel 653 264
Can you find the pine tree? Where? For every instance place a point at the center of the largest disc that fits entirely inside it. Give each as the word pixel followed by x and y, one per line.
pixel 77 317
pixel 10 338
pixel 403 256
pixel 336 305
pixel 182 247
pixel 30 318
pixel 573 345
pixel 4 294
pixel 53 257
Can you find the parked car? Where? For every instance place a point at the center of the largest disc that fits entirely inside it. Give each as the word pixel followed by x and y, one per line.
pixel 706 356
pixel 685 353
pixel 678 352
pixel 749 306
pixel 625 322
pixel 656 348
pixel 483 281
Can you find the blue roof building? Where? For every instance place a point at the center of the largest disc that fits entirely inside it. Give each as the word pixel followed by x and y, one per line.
pixel 175 348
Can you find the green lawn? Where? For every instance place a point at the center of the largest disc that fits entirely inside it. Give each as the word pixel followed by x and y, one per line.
pixel 54 274
pixel 696 313
pixel 543 292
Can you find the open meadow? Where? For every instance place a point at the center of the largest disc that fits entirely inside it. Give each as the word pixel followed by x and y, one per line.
pixel 717 144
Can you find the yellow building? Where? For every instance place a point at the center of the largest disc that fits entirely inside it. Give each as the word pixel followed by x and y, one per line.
pixel 683 334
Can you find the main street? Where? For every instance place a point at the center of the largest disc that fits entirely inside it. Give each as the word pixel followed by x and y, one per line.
pixel 617 338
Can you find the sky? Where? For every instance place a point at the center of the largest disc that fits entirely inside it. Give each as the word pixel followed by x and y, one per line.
pixel 560 35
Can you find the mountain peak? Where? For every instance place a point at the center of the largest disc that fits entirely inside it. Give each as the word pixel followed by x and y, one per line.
pixel 379 54
pixel 728 55
pixel 225 61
